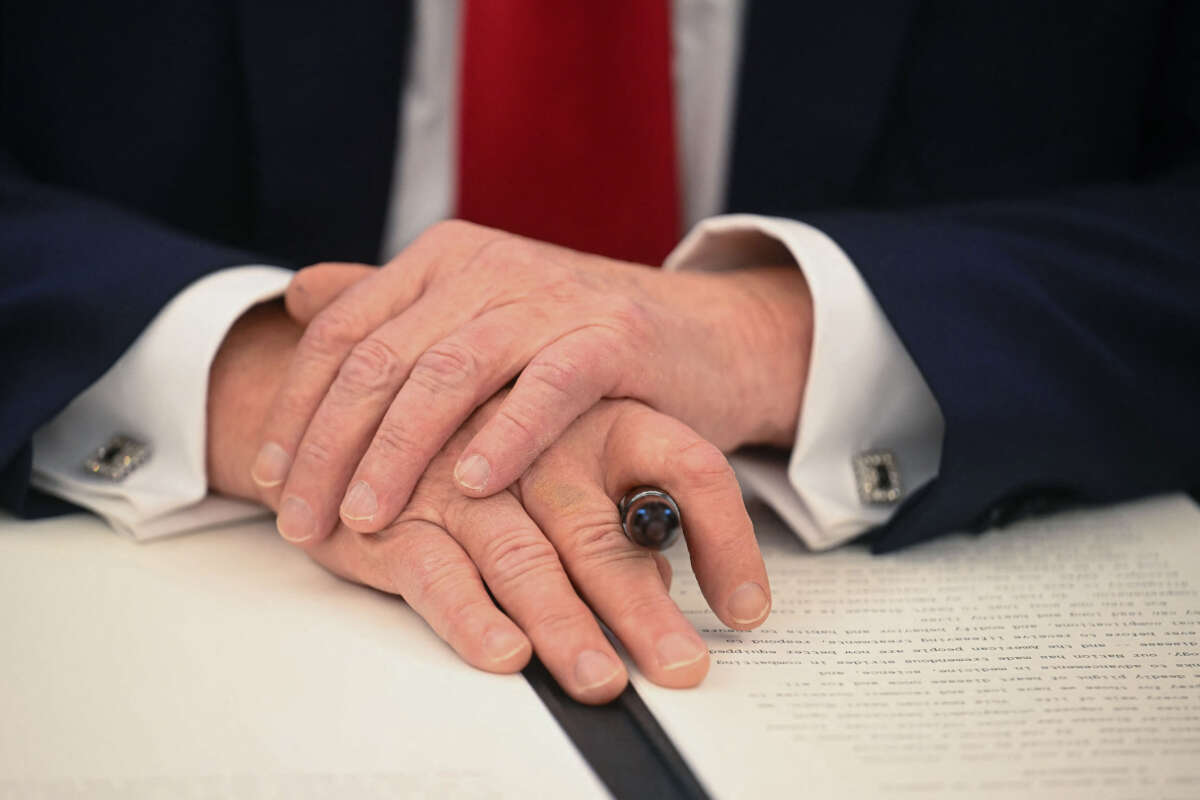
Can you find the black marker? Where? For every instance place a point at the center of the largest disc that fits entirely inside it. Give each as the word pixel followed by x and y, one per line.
pixel 650 517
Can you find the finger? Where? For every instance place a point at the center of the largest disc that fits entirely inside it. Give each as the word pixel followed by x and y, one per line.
pixel 562 382
pixel 335 331
pixel 420 562
pixel 620 581
pixel 523 571
pixel 326 342
pixel 345 424
pixel 447 383
pixel 313 288
pixel 646 447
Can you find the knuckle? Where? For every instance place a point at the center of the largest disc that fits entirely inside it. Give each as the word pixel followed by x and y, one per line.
pixel 596 539
pixel 600 350
pixel 637 607
pixel 520 431
pixel 629 317
pixel 504 252
pixel 422 506
pixel 392 441
pixel 370 368
pixel 316 451
pixel 560 376
pixel 514 557
pixel 520 266
pixel 563 288
pixel 449 229
pixel 460 616
pixel 446 365
pixel 435 573
pixel 609 350
pixel 554 621
pixel 704 466
pixel 333 331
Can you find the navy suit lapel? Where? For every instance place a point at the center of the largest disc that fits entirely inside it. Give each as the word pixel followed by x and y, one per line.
pixel 323 81
pixel 815 83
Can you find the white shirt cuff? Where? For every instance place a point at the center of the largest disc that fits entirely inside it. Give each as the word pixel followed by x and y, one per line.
pixel 864 391
pixel 157 393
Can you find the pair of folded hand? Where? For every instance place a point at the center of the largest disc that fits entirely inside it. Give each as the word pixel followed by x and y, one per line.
pixel 379 417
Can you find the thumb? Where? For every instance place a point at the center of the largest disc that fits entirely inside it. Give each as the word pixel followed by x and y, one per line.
pixel 317 286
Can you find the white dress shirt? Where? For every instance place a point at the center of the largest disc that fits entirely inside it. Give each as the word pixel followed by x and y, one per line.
pixel 864 392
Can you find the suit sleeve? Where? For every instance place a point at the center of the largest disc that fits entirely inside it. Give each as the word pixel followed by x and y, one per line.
pixel 1060 334
pixel 157 393
pixel 79 280
pixel 1060 337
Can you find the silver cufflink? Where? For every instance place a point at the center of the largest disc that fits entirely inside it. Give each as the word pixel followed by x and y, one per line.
pixel 877 474
pixel 117 457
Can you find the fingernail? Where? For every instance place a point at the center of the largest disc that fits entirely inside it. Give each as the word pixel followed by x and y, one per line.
pixel 360 502
pixel 295 521
pixel 501 644
pixel 748 603
pixel 676 650
pixel 270 465
pixel 594 669
pixel 473 472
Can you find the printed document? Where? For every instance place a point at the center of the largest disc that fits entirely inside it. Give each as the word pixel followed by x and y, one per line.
pixel 1058 658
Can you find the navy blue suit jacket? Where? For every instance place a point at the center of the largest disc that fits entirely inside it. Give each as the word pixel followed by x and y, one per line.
pixel 1017 180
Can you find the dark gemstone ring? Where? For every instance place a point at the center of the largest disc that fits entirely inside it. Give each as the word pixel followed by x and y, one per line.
pixel 650 517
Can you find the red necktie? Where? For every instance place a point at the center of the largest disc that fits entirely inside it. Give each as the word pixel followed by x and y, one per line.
pixel 566 124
